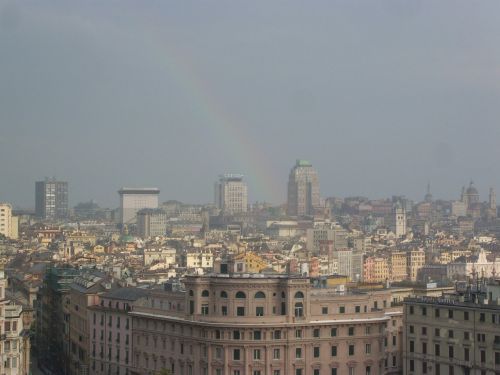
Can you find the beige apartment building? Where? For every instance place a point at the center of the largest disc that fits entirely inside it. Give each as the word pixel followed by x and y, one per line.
pixel 415 260
pixel 8 223
pixel 457 335
pixel 398 266
pixel 14 334
pixel 253 324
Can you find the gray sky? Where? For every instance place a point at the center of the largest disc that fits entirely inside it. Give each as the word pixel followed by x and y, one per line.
pixel 381 96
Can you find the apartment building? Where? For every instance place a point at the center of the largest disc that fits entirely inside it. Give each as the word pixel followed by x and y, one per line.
pixel 14 335
pixel 253 324
pixel 453 335
pixel 110 330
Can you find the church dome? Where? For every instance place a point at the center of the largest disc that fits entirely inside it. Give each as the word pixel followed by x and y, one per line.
pixel 471 190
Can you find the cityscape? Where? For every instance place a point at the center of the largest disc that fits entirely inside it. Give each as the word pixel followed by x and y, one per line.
pixel 314 286
pixel 260 187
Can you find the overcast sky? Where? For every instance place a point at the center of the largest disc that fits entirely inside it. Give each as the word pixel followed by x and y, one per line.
pixel 381 96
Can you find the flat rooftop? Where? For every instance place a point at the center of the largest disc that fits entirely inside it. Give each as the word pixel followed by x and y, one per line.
pixel 125 190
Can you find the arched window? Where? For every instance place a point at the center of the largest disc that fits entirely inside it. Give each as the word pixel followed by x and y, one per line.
pixel 299 295
pixel 223 294
pixel 283 295
pixel 299 309
pixel 205 293
pixel 260 295
pixel 240 295
pixel 191 293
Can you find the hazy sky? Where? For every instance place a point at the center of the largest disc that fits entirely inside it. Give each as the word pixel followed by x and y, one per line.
pixel 381 96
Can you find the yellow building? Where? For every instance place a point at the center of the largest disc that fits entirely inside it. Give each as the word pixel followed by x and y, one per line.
pixel 381 269
pixel 249 262
pixel 398 266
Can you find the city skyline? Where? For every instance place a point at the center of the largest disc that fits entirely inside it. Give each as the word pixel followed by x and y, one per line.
pixel 381 98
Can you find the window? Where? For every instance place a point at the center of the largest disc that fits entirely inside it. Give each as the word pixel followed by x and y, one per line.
pixel 236 335
pixel 259 311
pixel 224 310
pixel 277 335
pixel 424 348
pixel 316 371
pixel 204 309
pixel 450 314
pixel 298 371
pixel 437 368
pixel 217 334
pixel 450 352
pixel 257 335
pixel 483 356
pixel 424 331
pixel 276 372
pixel 299 309
pixel 437 350
pixel 437 332
pixel 466 315
pixel 367 330
pixel 236 354
pixel 316 352
pixel 334 371
pixel 276 354
pixel 218 352
pixel 436 313
pixel 412 365
pixel 342 310
pixel 298 333
pixel 351 331
pixel 451 333
pixel 424 367
pixel 412 346
pixel 256 372
pixel 466 336
pixel 482 317
pixel 256 354
pixel 333 332
pixel 393 340
pixel 316 332
pixel 240 295
pixel 368 348
pixel 412 310
pixel 412 329
pixel 334 350
pixel 240 311
pixel 497 358
pixel 351 349
pixel 260 295
pixel 357 309
pixel 299 295
pixel 324 310
pixel 223 294
pixel 466 354
pixel 298 352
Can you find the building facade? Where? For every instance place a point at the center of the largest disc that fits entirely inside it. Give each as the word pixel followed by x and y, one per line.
pixel 132 200
pixel 151 222
pixel 303 190
pixel 110 329
pixel 8 222
pixel 231 194
pixel 14 335
pixel 453 335
pixel 278 325
pixel 51 199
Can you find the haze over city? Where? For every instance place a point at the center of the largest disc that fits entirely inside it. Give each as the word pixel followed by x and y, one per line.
pixel 381 97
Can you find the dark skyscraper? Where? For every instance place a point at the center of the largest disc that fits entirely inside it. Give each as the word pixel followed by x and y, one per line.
pixel 51 199
pixel 303 190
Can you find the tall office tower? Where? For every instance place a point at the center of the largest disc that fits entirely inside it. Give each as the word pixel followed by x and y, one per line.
pixel 231 194
pixel 303 190
pixel 51 199
pixel 8 223
pixel 132 200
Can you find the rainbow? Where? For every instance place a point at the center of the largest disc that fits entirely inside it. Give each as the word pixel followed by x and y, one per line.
pixel 252 159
